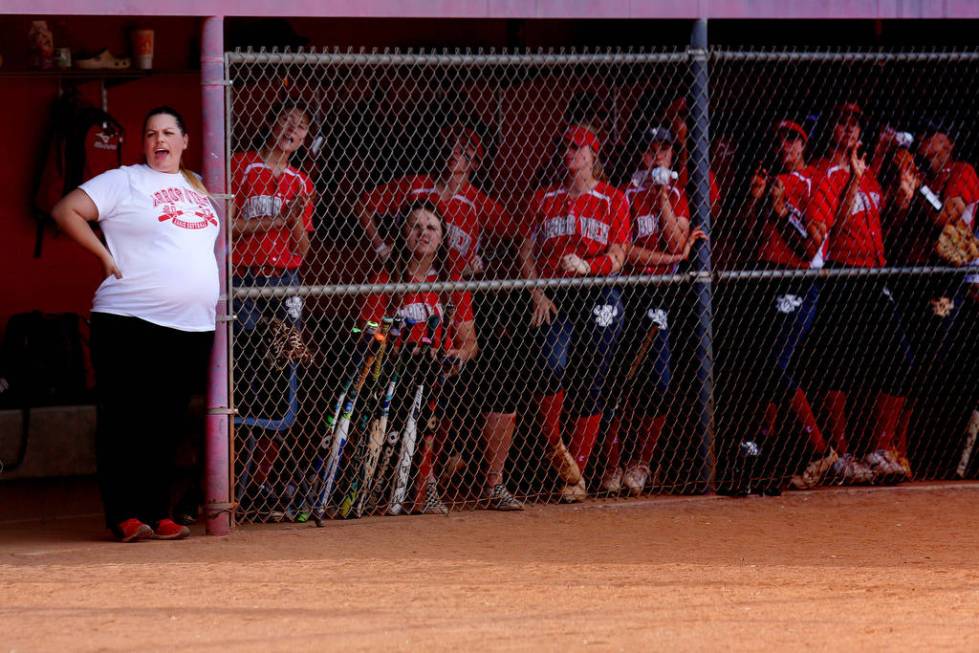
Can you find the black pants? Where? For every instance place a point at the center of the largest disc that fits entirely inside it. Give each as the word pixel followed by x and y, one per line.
pixel 144 377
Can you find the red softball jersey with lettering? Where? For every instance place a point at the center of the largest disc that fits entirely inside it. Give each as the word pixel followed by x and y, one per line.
pixel 467 214
pixel 774 247
pixel 418 307
pixel 858 241
pixel 559 224
pixel 260 193
pixel 646 213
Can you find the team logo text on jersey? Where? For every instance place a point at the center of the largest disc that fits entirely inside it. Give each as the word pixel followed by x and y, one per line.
pixel 258 206
pixel 168 199
pixel 865 202
pixel 458 240
pixel 571 225
pixel 419 311
pixel 646 225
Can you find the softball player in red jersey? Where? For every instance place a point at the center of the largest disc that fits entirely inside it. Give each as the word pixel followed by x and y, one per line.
pixel 661 238
pixel 864 325
pixel 783 310
pixel 577 229
pixel 467 210
pixel 419 255
pixel 273 216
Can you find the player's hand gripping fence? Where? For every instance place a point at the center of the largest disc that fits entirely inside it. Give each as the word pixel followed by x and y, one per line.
pixel 549 198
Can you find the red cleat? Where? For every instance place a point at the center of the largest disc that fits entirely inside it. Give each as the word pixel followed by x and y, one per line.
pixel 132 530
pixel 167 529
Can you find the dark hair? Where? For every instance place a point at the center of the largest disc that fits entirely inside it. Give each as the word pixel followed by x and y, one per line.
pixel 398 261
pixel 283 107
pixel 165 110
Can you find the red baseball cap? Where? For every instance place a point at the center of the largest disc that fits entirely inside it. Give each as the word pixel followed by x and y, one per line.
pixel 466 137
pixel 791 126
pixel 582 136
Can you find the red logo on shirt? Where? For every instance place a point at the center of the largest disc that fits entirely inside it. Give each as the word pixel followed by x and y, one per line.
pixel 204 218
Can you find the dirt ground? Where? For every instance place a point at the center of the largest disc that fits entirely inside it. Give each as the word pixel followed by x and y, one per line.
pixel 891 569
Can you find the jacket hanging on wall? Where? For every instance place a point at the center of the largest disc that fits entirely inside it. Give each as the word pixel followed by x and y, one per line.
pixel 84 141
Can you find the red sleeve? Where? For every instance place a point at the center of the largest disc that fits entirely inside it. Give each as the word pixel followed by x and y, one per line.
pixel 464 307
pixel 388 197
pixel 620 224
pixel 824 202
pixel 375 304
pixel 963 183
pixel 715 193
pixel 681 208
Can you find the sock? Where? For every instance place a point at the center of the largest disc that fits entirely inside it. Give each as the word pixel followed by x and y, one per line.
pixel 903 426
pixel 612 451
pixel 803 412
pixel 835 405
pixel 550 410
pixel 887 413
pixel 583 438
pixel 650 429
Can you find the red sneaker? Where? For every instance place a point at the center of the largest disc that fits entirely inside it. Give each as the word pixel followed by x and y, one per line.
pixel 167 529
pixel 132 530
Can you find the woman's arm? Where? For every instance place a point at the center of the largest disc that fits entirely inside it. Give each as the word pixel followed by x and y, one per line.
pixel 544 309
pixel 73 213
pixel 464 346
pixel 642 257
pixel 676 229
pixel 298 234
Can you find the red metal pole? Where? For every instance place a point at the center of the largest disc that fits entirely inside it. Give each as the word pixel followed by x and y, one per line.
pixel 217 467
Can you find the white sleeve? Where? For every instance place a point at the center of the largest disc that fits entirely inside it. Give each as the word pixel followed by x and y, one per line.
pixel 107 190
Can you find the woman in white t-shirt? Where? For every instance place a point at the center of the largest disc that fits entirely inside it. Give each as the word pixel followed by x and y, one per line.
pixel 152 319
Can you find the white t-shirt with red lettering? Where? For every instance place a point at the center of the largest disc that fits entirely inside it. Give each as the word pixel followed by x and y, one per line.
pixel 161 233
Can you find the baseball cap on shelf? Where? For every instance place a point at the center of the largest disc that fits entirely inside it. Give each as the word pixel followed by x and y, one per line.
pixel 792 127
pixel 582 136
pixel 658 135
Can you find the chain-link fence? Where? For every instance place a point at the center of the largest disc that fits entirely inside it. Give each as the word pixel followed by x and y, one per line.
pixel 468 279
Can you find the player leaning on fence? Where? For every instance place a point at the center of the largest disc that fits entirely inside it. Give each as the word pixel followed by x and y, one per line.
pixel 152 319
pixel 577 229
pixel 861 328
pixel 661 239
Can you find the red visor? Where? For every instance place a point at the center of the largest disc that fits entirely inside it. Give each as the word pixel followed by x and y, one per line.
pixel 582 136
pixel 788 125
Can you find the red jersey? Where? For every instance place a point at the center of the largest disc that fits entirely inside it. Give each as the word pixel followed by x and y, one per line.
pixel 646 233
pixel 585 225
pixel 467 213
pixel 418 307
pixel 774 248
pixel 858 241
pixel 259 192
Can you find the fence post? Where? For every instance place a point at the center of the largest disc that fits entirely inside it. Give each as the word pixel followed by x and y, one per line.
pixel 699 169
pixel 217 466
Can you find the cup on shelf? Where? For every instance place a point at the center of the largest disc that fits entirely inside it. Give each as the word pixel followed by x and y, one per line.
pixel 143 48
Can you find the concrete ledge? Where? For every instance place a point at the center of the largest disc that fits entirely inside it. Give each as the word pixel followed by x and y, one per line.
pixel 61 442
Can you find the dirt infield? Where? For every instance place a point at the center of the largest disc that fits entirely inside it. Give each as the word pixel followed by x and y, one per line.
pixel 879 569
